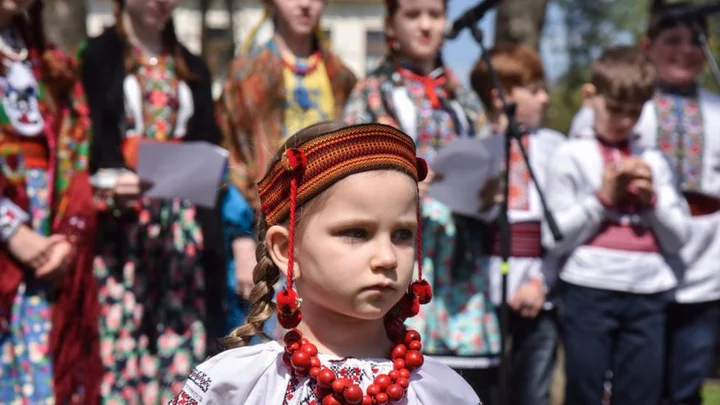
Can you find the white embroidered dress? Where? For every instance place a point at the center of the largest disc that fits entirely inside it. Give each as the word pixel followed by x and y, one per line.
pixel 256 375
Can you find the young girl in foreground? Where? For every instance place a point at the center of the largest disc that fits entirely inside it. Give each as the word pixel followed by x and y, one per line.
pixel 340 209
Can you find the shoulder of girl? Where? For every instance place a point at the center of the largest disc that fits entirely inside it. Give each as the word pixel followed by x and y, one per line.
pixel 231 375
pixel 258 354
pixel 437 383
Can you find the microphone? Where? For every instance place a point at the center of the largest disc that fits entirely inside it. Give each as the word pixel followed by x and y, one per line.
pixel 692 12
pixel 469 18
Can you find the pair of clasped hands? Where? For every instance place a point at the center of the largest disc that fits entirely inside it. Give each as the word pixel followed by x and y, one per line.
pixel 630 177
pixel 48 256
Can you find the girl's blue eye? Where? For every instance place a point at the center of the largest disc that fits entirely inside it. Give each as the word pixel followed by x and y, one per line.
pixel 355 233
pixel 404 235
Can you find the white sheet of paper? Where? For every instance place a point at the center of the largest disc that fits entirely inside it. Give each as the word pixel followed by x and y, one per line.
pixel 465 165
pixel 186 170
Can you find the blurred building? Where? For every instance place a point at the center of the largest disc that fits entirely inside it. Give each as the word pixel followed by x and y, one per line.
pixel 354 28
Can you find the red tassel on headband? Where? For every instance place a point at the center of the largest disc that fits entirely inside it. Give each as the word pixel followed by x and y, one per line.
pixel 289 314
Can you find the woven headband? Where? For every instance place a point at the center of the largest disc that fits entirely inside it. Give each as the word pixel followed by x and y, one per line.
pixel 322 162
pixel 306 171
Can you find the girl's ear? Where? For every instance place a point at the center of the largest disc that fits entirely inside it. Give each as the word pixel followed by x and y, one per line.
pixel 277 241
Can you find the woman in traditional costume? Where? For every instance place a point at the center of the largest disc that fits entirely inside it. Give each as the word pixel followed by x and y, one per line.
pixel 159 262
pixel 48 296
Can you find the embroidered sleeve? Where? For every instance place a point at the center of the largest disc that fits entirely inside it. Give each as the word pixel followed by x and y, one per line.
pixel 195 389
pixel 248 375
pixel 11 218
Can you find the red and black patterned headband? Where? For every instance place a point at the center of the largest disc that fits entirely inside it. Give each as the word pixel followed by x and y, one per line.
pixel 323 161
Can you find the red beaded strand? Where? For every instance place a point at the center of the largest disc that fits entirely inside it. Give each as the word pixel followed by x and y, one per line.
pixel 301 358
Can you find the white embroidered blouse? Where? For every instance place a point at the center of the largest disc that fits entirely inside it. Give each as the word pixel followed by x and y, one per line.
pixel 256 375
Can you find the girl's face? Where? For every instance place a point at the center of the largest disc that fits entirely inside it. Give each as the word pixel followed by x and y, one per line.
pixel 356 247
pixel 418 27
pixel 151 13
pixel 10 8
pixel 677 56
pixel 298 17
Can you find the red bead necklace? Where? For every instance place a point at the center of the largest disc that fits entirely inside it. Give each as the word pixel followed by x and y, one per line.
pixel 301 358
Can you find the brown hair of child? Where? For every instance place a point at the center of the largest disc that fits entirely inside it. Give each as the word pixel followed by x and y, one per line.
pixel 515 65
pixel 623 73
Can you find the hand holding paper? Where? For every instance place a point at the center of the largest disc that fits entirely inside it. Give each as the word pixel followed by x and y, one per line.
pixel 463 168
pixel 187 170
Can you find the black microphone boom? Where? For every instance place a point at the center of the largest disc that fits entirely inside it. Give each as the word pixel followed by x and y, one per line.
pixel 692 12
pixel 470 18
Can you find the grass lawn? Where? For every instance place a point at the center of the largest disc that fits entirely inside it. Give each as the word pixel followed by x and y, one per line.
pixel 711 393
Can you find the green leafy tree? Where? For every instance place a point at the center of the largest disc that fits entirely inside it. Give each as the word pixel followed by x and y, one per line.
pixel 520 21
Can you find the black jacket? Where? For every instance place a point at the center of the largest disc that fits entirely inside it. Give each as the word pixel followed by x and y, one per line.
pixel 103 74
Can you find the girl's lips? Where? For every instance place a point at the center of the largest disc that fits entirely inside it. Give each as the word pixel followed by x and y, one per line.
pixel 380 287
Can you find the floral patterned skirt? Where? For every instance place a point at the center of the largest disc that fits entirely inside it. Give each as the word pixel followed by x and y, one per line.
pixel 460 320
pixel 151 288
pixel 26 375
pixel 25 363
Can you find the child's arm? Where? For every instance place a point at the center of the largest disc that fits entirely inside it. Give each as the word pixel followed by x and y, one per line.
pixel 577 216
pixel 669 216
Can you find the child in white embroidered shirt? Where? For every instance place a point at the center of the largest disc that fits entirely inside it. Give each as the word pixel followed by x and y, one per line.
pixel 623 223
pixel 350 252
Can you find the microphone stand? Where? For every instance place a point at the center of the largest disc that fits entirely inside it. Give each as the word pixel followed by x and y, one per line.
pixel 705 44
pixel 513 132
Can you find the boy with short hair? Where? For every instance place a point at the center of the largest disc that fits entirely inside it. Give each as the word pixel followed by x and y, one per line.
pixel 683 122
pixel 623 224
pixel 533 323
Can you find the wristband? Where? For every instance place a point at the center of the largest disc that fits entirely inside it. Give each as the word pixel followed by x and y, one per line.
pixel 11 218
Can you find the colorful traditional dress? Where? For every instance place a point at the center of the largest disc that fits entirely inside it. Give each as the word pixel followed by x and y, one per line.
pixel 460 323
pixel 265 100
pixel 149 266
pixel 49 352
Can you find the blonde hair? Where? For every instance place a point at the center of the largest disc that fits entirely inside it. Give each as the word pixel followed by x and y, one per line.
pixel 265 275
